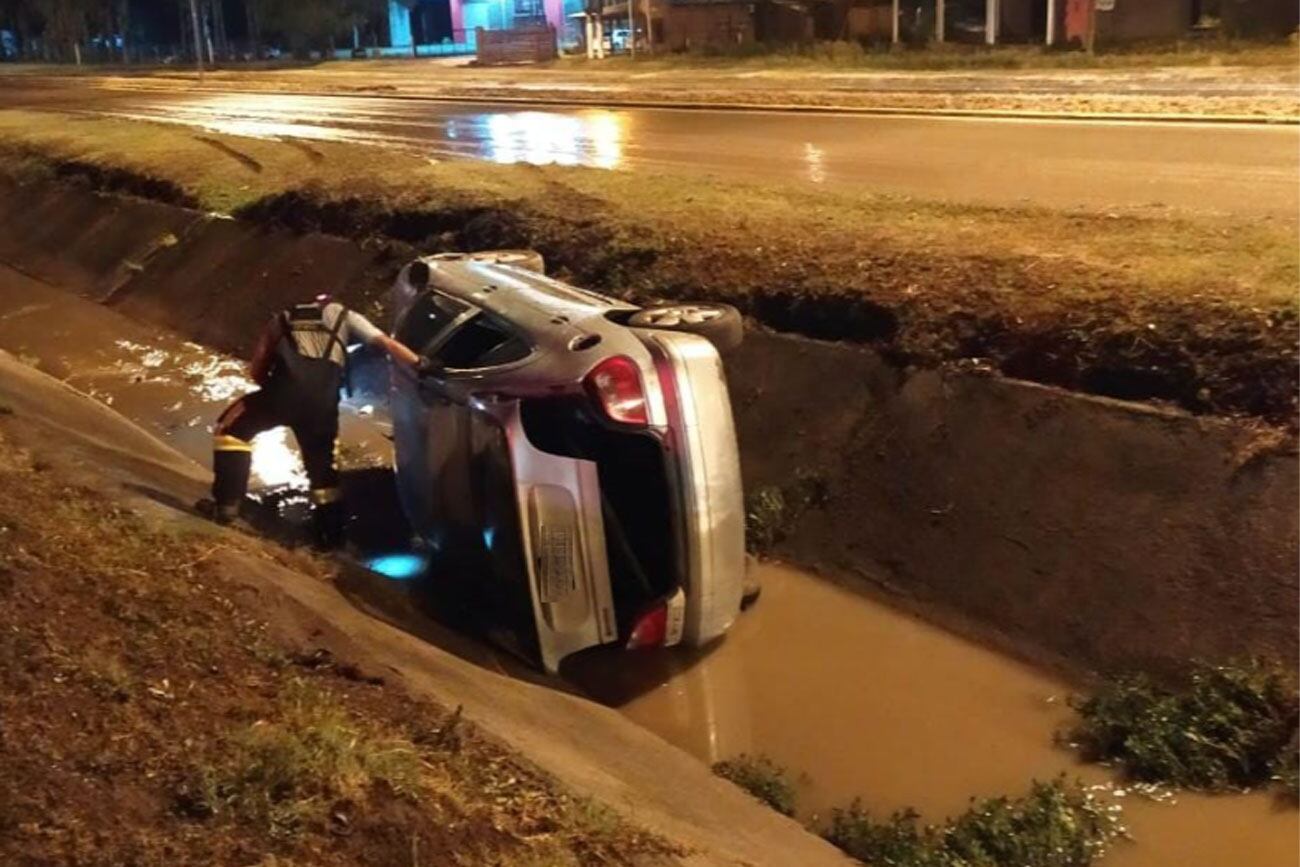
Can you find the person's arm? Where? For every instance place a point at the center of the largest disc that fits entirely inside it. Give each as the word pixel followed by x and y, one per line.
pixel 365 331
pixel 397 350
pixel 264 353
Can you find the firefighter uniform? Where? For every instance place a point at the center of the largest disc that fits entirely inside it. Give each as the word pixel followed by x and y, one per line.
pixel 301 365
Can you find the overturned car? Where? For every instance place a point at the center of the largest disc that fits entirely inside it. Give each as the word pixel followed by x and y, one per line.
pixel 570 455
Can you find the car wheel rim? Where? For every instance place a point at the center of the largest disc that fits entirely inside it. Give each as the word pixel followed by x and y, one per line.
pixel 671 317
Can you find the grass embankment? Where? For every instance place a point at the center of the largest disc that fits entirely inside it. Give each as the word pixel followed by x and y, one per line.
pixel 1201 313
pixel 150 718
pixel 836 56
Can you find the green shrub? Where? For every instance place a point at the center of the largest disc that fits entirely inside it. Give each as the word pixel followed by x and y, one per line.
pixel 765 519
pixel 1230 727
pixel 1058 824
pixel 762 778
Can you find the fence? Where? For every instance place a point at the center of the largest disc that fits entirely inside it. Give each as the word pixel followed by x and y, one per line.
pixel 520 45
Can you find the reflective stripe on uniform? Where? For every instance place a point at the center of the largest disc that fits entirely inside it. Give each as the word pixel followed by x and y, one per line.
pixel 227 443
pixel 325 496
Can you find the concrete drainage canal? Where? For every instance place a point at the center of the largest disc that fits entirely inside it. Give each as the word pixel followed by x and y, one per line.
pixel 859 699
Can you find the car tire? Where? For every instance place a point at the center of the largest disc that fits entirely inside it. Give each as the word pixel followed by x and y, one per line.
pixel 528 259
pixel 721 324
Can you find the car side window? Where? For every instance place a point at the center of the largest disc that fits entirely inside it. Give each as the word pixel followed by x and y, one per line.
pixel 428 317
pixel 479 343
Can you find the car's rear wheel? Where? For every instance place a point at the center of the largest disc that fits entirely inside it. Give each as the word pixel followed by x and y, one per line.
pixel 721 324
pixel 529 259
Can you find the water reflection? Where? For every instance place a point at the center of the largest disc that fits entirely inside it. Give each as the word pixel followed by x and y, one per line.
pixel 592 138
pixel 276 464
pixel 815 159
pixel 214 379
pixel 400 566
pixel 274 116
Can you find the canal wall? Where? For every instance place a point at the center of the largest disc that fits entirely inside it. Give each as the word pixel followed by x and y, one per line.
pixel 1095 533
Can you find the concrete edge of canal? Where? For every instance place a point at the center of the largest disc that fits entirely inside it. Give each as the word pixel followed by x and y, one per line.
pixel 1083 532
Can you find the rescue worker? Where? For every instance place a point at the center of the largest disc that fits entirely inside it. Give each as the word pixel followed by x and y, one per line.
pixel 300 364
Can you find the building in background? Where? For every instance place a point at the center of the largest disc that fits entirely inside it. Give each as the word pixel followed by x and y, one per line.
pixel 697 24
pixel 422 27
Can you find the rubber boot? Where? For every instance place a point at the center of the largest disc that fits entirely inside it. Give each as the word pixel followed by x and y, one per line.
pixel 329 525
pixel 230 469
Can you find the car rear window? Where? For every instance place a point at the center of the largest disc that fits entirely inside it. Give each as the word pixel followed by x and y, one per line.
pixel 480 342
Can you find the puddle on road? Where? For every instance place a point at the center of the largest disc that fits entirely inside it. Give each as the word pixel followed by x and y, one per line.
pixel 866 701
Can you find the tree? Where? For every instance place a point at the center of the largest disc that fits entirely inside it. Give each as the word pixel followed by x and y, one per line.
pixel 310 24
pixel 65 23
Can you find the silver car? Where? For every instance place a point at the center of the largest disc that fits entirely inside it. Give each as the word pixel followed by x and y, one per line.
pixel 572 455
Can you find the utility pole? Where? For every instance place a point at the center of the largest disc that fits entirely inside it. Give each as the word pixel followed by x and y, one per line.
pixel 893 37
pixel 631 30
pixel 939 23
pixel 1050 38
pixel 991 22
pixel 198 36
pixel 649 27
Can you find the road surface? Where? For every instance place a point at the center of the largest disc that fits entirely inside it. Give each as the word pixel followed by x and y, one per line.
pixel 1241 170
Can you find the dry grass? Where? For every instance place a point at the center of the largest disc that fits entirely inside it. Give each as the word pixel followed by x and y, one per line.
pixel 285 772
pixel 849 56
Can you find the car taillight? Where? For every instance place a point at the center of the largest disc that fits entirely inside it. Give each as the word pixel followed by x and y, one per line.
pixel 651 628
pixel 615 384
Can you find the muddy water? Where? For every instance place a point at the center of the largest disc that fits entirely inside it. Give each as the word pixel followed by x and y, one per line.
pixel 867 702
pixel 174 388
pixel 863 700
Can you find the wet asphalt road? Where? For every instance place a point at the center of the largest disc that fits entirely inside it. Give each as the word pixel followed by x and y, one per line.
pixel 1241 170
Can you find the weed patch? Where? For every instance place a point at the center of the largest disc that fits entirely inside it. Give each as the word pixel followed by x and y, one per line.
pixel 771 512
pixel 762 778
pixel 1230 727
pixel 288 771
pixel 1058 824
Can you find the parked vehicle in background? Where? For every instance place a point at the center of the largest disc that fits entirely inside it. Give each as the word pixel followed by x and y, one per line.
pixel 571 455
